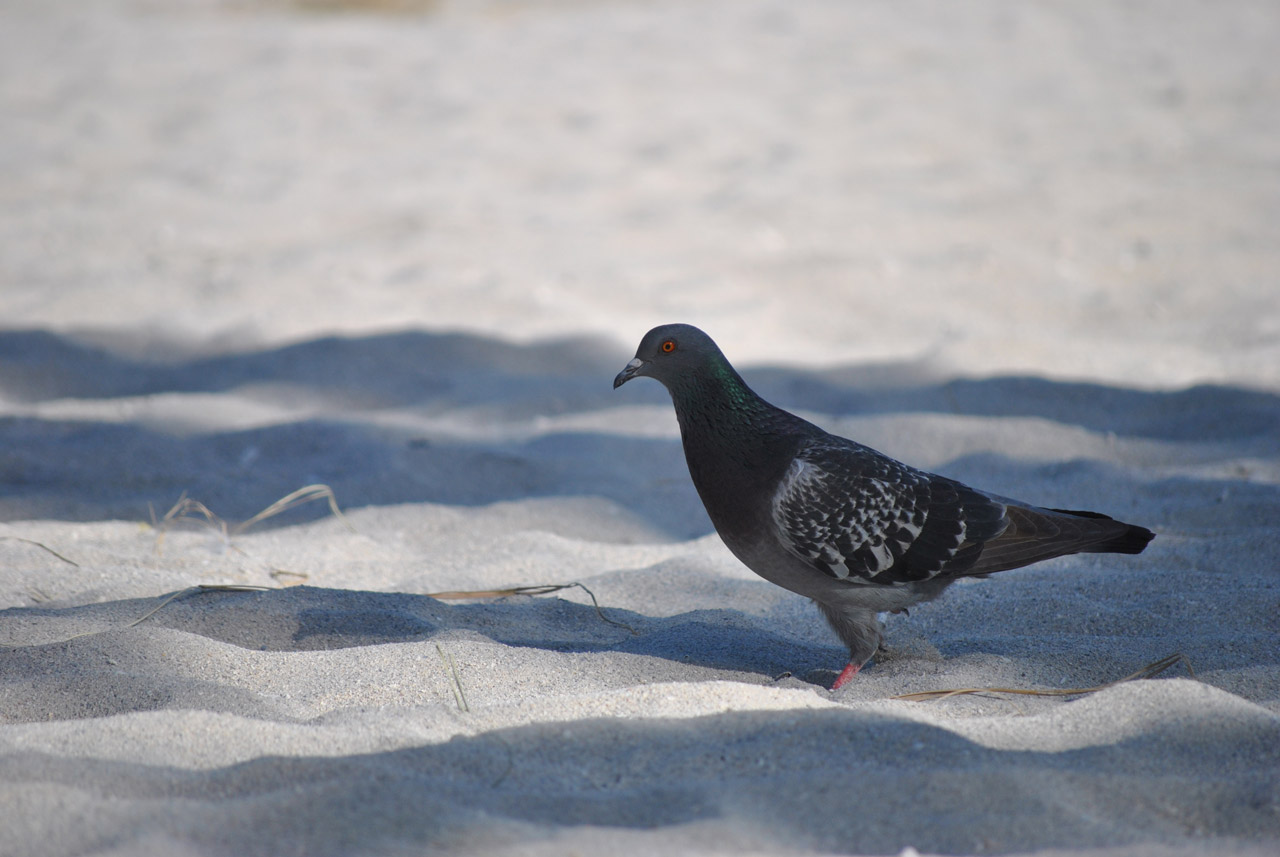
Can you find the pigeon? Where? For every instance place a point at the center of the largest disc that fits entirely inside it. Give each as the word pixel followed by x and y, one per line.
pixel 833 520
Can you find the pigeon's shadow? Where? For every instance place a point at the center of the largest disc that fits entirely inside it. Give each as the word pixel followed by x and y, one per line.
pixel 304 618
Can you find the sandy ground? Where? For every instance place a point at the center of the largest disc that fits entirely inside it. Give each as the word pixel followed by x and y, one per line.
pixel 401 249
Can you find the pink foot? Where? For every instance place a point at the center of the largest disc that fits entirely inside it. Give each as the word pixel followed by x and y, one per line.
pixel 849 672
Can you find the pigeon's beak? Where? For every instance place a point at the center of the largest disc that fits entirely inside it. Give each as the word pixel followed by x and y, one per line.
pixel 628 372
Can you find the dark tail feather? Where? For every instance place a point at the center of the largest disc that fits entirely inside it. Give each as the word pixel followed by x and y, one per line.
pixel 1033 535
pixel 1132 540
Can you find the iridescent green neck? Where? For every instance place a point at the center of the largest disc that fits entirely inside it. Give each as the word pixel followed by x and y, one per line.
pixel 718 389
pixel 731 382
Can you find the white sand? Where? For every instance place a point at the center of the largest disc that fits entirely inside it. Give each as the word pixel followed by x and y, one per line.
pixel 247 247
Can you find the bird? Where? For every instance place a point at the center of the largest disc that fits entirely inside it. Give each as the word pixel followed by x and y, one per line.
pixel 854 530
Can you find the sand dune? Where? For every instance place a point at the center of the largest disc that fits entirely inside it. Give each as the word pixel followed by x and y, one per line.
pixel 400 250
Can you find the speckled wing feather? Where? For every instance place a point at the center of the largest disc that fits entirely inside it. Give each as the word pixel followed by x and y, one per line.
pixel 860 516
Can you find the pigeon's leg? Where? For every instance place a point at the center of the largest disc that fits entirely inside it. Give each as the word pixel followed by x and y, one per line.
pixel 849 672
pixel 859 629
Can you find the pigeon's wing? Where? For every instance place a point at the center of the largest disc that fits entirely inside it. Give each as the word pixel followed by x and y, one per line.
pixel 857 515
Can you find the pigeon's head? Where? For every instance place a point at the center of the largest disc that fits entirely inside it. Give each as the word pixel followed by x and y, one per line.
pixel 670 353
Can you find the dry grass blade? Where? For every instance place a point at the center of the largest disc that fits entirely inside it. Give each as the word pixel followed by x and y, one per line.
pixel 187 510
pixel 183 511
pixel 539 589
pixel 297 498
pixel 41 546
pixel 1149 671
pixel 165 601
pixel 203 587
pixel 465 594
pixel 458 696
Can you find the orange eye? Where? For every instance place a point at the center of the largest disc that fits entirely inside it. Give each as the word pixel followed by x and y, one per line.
pixel 668 346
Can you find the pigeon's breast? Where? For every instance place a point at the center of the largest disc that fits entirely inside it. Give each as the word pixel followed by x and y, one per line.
pixel 736 477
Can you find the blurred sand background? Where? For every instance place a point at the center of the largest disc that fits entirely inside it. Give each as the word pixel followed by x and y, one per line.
pixel 400 249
